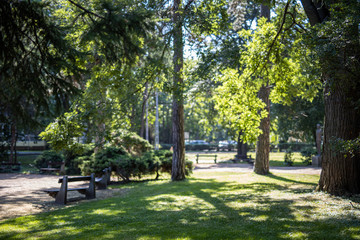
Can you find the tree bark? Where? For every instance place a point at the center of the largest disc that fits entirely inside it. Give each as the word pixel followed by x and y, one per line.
pixel 261 164
pixel 340 171
pixel 142 130
pixel 13 143
pixel 178 160
pixel 241 148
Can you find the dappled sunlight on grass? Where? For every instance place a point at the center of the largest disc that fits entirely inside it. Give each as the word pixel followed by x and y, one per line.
pixel 212 205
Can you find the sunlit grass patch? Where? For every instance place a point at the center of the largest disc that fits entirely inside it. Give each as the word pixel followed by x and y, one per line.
pixel 208 205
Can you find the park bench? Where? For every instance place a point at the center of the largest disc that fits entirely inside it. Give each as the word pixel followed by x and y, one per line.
pixel 54 167
pixel 10 167
pixel 205 156
pixel 104 180
pixel 60 195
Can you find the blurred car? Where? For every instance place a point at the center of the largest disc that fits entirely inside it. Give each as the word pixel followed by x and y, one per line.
pixel 197 145
pixel 226 145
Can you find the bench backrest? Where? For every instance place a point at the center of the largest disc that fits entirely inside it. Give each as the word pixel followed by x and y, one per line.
pixel 76 179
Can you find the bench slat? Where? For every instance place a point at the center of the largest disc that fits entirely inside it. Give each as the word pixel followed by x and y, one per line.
pixel 76 179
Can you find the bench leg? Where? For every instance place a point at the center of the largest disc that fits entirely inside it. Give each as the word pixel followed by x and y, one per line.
pixel 108 176
pixel 102 184
pixel 90 192
pixel 61 196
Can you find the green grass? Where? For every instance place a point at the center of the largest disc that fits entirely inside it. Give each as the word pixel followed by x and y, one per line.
pixel 276 158
pixel 210 205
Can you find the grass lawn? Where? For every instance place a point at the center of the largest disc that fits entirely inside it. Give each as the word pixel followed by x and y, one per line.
pixel 209 205
pixel 276 158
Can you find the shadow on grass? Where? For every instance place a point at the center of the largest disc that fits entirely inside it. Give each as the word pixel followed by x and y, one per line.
pixel 192 209
pixel 281 178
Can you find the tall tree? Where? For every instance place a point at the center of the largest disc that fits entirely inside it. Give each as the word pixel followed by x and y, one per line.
pixel 261 164
pixel 178 161
pixel 36 64
pixel 336 36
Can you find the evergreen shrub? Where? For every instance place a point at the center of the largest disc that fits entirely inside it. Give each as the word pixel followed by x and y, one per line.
pixel 43 159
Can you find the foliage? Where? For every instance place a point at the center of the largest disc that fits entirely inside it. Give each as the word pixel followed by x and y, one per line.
pixel 36 64
pixel 299 119
pixel 288 157
pixel 307 154
pixel 346 147
pixel 128 166
pixel 278 63
pixel 42 161
pixel 62 133
pixel 133 143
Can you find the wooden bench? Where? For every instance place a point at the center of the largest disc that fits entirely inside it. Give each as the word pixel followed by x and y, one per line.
pixel 10 167
pixel 54 167
pixel 60 195
pixel 205 155
pixel 104 180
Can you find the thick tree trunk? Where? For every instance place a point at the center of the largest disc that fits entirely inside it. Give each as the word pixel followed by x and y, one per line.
pixel 340 170
pixel 241 148
pixel 178 161
pixel 261 165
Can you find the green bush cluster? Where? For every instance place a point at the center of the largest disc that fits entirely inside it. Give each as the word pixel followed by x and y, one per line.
pixel 307 153
pixel 42 161
pixel 126 166
pixel 126 153
pixel 289 157
pixel 133 143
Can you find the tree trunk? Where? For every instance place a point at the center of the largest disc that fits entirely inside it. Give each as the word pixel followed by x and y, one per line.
pixel 241 148
pixel 13 143
pixel 178 161
pixel 261 165
pixel 143 111
pixel 340 170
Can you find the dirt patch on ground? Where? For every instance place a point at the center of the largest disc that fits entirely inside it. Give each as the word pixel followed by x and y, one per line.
pixel 22 194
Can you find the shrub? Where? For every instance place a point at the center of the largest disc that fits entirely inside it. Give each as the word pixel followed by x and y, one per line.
pixel 43 160
pixel 288 158
pixel 307 153
pixel 133 143
pixel 126 166
pixel 75 156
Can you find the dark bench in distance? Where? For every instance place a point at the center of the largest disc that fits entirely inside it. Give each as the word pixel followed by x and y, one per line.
pixel 205 156
pixel 60 195
pixel 54 167
pixel 10 167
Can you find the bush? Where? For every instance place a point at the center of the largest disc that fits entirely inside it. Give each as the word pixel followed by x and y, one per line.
pixel 133 143
pixel 127 166
pixel 75 156
pixel 43 160
pixel 288 158
pixel 307 153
